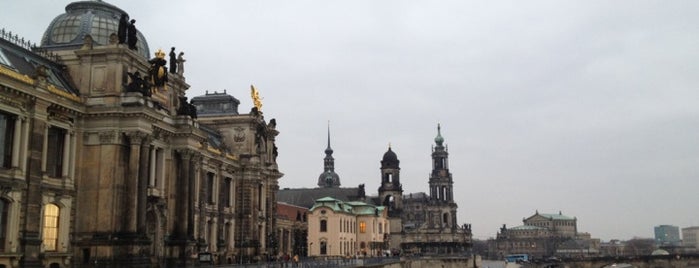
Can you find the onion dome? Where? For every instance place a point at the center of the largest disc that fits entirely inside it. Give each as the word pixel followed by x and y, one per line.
pixel 390 159
pixel 439 139
pixel 96 18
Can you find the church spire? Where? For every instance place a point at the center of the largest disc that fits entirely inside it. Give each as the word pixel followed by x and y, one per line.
pixel 328 151
pixel 329 178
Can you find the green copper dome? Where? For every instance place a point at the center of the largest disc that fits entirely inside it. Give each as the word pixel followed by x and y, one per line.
pixel 439 140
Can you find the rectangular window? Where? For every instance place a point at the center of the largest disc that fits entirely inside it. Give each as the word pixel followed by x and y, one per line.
pixel 210 187
pixel 362 227
pixel 4 207
pixel 7 130
pixel 54 153
pixel 323 225
pixel 50 231
pixel 227 192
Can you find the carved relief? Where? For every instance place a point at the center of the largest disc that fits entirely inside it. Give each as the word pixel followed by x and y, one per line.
pixel 137 137
pixel 12 102
pixel 108 137
pixel 239 135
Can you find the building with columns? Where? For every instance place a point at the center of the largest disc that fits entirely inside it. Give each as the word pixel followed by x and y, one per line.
pixel 103 168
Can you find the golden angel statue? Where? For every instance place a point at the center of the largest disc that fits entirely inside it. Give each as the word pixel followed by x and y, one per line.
pixel 256 99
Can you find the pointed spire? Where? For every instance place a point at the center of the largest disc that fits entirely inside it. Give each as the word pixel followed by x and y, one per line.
pixel 328 150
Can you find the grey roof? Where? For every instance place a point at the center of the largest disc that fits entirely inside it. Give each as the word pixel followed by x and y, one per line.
pixel 305 197
pixel 96 18
pixel 212 104
pixel 26 62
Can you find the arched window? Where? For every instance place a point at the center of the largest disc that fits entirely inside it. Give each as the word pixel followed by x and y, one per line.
pixel 445 219
pixel 323 225
pixel 50 231
pixel 362 227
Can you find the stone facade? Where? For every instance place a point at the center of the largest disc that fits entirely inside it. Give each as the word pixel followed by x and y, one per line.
pixel 95 175
pixel 544 235
pixel 422 223
pixel 417 222
pixel 291 229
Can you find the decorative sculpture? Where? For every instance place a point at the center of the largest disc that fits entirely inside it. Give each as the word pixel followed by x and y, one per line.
pixel 180 64
pixel 173 61
pixel 256 100
pixel 123 25
pixel 138 84
pixel 186 108
pixel 131 34
pixel 158 71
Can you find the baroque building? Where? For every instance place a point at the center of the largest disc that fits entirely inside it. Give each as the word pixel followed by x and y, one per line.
pixel 101 168
pixel 417 222
pixel 337 228
pixel 422 223
pixel 544 235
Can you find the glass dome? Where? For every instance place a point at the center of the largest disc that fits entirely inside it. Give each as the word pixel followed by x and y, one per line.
pixel 96 18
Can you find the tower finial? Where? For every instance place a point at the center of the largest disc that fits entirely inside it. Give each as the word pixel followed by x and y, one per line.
pixel 439 139
pixel 328 150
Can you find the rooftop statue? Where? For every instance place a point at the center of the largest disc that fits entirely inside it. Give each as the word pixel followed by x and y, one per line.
pixel 131 34
pixel 123 25
pixel 256 99
pixel 180 64
pixel 173 61
pixel 158 71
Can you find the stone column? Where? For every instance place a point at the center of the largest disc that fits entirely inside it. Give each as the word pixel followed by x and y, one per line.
pixel 16 142
pixel 153 165
pixel 66 155
pixel 195 165
pixel 132 182
pixel 182 200
pixel 143 171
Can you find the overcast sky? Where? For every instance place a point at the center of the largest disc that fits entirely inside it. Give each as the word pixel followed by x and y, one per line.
pixel 584 107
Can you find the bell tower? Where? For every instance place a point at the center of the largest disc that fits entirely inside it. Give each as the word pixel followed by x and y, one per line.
pixel 441 182
pixel 328 179
pixel 391 190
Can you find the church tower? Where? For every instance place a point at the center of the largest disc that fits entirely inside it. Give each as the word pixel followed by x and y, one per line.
pixel 441 182
pixel 329 179
pixel 391 191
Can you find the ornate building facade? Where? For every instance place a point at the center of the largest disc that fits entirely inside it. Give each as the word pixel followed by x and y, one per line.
pixel 422 223
pixel 544 235
pixel 417 222
pixel 102 168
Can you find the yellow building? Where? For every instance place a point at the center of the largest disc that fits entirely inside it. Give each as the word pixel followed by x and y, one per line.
pixel 337 228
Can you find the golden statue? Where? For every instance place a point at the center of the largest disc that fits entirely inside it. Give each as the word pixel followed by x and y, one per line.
pixel 256 98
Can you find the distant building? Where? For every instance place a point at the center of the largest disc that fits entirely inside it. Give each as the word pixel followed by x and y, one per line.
pixel 667 235
pixel 419 223
pixel 544 235
pixel 291 229
pixel 338 228
pixel 690 237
